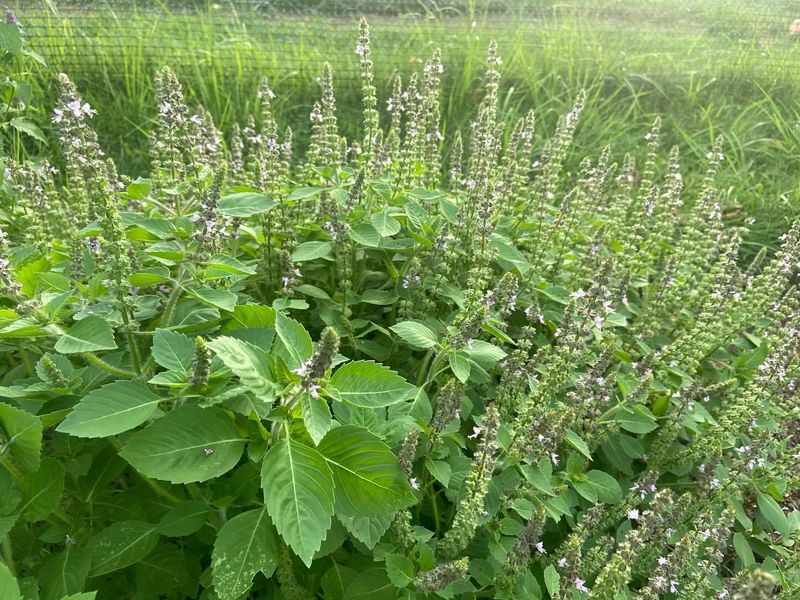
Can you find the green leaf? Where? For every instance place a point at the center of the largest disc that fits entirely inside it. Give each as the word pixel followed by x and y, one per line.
pixel 161 571
pixel 251 315
pixel 369 480
pixel 248 363
pixel 9 588
pixel 297 344
pixel 298 491
pixel 385 224
pixel 367 530
pixel 65 573
pixel 577 442
pixel 222 299
pixel 378 297
pixel 552 581
pixel 484 353
pixel 112 409
pixel 440 470
pixel 245 545
pixel 415 334
pixel 638 421
pixel 87 335
pixel 607 488
pixel 23 125
pixel 311 250
pixel 10 38
pixel 41 491
pixel 365 234
pixel 460 367
pixel 185 519
pixel 773 513
pixel 228 264
pixel 400 570
pixel 245 204
pixel 304 193
pixel 368 384
pixel 188 444
pixel 21 436
pixel 121 545
pixel 316 416
pixel 743 549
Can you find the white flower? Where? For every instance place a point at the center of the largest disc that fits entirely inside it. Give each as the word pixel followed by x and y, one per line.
pixel 476 431
pixel 633 514
pixel 580 585
pixel 579 293
pixel 562 562
pixel 540 548
pixel 554 458
pixel 413 482
pixel 662 560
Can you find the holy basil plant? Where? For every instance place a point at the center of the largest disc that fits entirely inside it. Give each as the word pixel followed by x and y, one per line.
pixel 366 374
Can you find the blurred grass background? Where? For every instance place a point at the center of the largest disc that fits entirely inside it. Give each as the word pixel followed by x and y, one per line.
pixel 728 67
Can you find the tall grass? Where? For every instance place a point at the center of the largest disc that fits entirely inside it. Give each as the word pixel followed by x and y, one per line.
pixel 710 68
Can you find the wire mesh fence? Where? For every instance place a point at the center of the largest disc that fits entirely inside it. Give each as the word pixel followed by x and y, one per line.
pixel 652 37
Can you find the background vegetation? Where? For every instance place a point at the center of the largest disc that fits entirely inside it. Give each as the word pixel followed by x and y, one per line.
pixel 718 67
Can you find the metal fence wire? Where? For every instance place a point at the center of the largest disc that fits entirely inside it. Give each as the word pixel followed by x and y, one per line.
pixel 653 36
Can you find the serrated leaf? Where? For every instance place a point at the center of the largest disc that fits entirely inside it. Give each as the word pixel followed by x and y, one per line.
pixel 460 367
pixel 24 125
pixel 10 38
pixel 636 422
pixel 112 409
pixel 120 545
pixel 606 487
pixel 22 436
pixel 228 264
pixel 304 193
pixel 297 344
pixel 369 480
pixel 298 491
pixel 316 416
pixel 87 335
pixel 64 573
pixel 385 224
pixel 399 569
pixel 161 571
pixel 9 588
pixel 367 530
pixel 415 334
pixel 189 444
pixel 185 519
pixel 246 545
pixel 41 491
pixel 577 442
pixel 552 581
pixel 245 204
pixel 743 549
pixel 370 385
pixel 222 299
pixel 248 363
pixel 773 513
pixel 365 234
pixel 311 250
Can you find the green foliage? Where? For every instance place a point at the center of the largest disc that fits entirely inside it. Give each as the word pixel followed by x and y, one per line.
pixel 336 377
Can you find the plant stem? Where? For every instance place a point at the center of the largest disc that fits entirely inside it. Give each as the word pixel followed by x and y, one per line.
pixel 99 362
